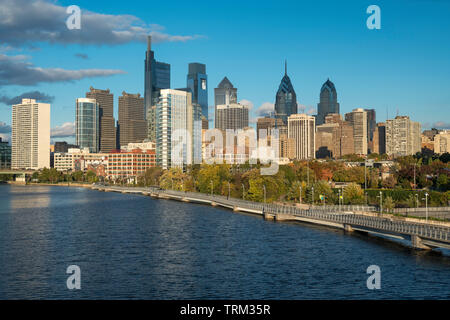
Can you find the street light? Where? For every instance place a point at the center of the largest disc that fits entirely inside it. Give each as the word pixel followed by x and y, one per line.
pixel 243 191
pixel 300 195
pixel 228 189
pixel 264 186
pixel 212 187
pixel 417 200
pixel 339 200
pixel 312 200
pixel 426 206
pixel 381 202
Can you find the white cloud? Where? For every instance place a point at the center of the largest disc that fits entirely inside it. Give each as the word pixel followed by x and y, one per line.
pixel 16 70
pixel 247 103
pixel 67 129
pixel 30 21
pixel 265 109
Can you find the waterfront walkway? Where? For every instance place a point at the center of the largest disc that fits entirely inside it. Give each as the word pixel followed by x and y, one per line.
pixel 422 235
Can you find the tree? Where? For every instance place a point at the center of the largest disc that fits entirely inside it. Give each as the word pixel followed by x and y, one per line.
pixel 353 194
pixel 389 182
pixel 389 204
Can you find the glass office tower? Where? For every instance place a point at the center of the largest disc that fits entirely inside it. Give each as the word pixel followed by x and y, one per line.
pixel 157 77
pixel 286 99
pixel 197 82
pixel 328 102
pixel 87 124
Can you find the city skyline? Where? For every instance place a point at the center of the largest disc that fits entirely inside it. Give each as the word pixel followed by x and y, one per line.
pixel 393 85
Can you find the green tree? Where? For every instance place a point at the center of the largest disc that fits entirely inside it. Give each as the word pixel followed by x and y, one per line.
pixel 353 194
pixel 389 204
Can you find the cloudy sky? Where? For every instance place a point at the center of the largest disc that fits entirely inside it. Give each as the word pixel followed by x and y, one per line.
pixel 403 67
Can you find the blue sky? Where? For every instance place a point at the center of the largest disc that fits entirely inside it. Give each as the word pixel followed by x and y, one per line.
pixel 404 66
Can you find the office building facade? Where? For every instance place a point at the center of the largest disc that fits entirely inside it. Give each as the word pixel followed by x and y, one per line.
pixel 87 124
pixel 5 155
pixel 286 99
pixel 301 129
pixel 156 77
pixel 231 117
pixel 197 82
pixel 358 120
pixel 334 138
pixel 30 147
pixel 132 125
pixel 328 102
pixel 105 100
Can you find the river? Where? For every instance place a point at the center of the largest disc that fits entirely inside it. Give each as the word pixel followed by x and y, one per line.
pixel 135 247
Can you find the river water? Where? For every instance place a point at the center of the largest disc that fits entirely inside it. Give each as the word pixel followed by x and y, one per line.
pixel 135 247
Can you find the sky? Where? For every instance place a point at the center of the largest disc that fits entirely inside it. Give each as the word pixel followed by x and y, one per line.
pixel 402 68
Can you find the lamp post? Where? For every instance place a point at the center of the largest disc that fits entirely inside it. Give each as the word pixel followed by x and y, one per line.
pixel 300 194
pixel 312 200
pixel 426 206
pixel 264 187
pixel 212 187
pixel 339 200
pixel 417 200
pixel 307 170
pixel 229 190
pixel 365 175
pixel 414 175
pixel 381 202
pixel 243 191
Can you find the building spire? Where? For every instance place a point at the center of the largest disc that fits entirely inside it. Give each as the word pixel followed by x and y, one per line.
pixel 149 43
pixel 285 67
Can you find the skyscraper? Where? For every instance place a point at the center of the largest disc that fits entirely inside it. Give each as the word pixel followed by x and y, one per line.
pixel 286 99
pixel 224 94
pixel 157 77
pixel 132 124
pixel 30 135
pixel 105 101
pixel 197 82
pixel 231 117
pixel 87 124
pixel 371 126
pixel 301 129
pixel 328 102
pixel 358 119
pixel 402 136
pixel 175 113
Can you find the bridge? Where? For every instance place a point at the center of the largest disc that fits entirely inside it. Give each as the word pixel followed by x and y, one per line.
pixel 421 234
pixel 21 174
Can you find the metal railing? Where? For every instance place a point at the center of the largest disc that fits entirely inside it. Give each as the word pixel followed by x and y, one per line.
pixel 334 214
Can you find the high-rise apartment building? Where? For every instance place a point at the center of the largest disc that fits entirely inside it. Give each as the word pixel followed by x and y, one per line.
pixel 105 101
pixel 156 77
pixel 197 82
pixel 132 125
pixel 30 135
pixel 301 128
pixel 328 102
pixel 87 124
pixel 358 120
pixel 178 130
pixel 402 136
pixel 233 116
pixel 286 99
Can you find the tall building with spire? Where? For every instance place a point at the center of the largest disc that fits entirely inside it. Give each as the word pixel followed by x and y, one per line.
pixel 157 77
pixel 286 99
pixel 328 102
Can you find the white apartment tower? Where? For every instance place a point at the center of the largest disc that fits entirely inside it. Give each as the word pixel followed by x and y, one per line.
pixel 301 129
pixel 402 137
pixel 178 129
pixel 30 135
